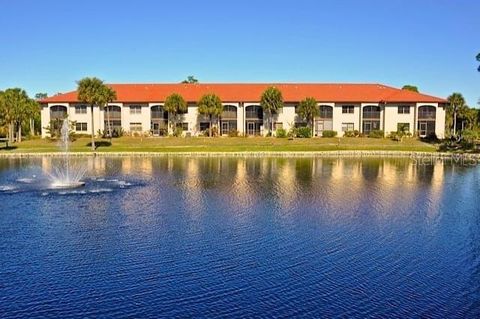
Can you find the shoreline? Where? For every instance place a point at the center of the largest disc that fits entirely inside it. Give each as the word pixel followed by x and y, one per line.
pixel 343 153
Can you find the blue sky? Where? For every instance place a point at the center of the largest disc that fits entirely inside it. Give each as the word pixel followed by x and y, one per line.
pixel 47 45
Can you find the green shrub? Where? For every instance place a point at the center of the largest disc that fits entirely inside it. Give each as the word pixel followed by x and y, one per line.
pixel 116 132
pixel 233 133
pixel 376 134
pixel 178 131
pixel 304 132
pixel 329 133
pixel 163 131
pixel 469 135
pixel 399 135
pixel 281 133
pixel 354 133
pixel 430 138
pixel 293 132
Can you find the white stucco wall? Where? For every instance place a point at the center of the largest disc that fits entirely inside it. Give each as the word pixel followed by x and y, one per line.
pixel 392 117
pixel 440 122
pixel 128 117
pixel 286 116
pixel 388 120
pixel 339 117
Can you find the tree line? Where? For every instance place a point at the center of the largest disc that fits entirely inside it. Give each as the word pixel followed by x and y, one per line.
pixel 19 114
pixel 18 111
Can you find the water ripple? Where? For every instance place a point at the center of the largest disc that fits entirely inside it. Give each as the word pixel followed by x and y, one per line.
pixel 217 237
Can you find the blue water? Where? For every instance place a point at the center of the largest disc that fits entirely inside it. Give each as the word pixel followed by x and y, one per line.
pixel 226 237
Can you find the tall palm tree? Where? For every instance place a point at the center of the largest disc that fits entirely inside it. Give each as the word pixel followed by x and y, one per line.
pixel 15 109
pixel 210 105
pixel 271 101
pixel 308 110
pixel 456 102
pixel 91 91
pixel 174 104
pixel 108 95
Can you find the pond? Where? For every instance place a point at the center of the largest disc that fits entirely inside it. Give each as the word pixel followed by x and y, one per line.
pixel 241 237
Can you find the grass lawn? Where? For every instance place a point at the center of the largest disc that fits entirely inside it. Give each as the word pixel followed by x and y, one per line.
pixel 224 144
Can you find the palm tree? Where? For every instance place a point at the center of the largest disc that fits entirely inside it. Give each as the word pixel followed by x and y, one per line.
pixel 271 101
pixel 91 91
pixel 15 109
pixel 210 105
pixel 456 102
pixel 308 110
pixel 33 112
pixel 175 104
pixel 108 95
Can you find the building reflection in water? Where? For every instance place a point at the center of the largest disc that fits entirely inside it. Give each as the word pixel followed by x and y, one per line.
pixel 336 187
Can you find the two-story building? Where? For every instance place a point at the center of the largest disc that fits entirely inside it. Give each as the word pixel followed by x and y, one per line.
pixel 342 107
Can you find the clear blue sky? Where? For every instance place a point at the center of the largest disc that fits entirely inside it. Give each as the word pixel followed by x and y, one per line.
pixel 45 46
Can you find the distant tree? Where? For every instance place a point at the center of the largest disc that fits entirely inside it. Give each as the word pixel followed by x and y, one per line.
pixel 271 101
pixel 478 69
pixel 33 114
pixel 190 80
pixel 7 111
pixel 409 87
pixel 211 106
pixel 308 110
pixel 16 109
pixel 40 96
pixel 91 91
pixel 174 105
pixel 467 118
pixel 478 60
pixel 456 102
pixel 108 95
pixel 3 121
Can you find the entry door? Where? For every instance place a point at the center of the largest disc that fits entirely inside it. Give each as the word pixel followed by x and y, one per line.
pixel 251 128
pixel 367 127
pixel 422 129
pixel 225 128
pixel 319 129
pixel 156 129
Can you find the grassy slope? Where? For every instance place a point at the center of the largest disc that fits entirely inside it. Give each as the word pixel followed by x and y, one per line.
pixel 228 144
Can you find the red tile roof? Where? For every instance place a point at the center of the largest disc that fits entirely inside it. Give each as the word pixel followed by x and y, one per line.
pixel 251 92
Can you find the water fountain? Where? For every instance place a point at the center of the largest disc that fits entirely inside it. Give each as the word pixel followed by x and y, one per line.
pixel 63 176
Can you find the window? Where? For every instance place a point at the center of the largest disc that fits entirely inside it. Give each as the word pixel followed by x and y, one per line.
pixel 204 126
pixel 136 127
pixel 348 109
pixel 80 127
pixel 80 109
pixel 58 112
pixel 403 109
pixel 403 127
pixel 347 127
pixel 326 112
pixel 183 125
pixel 371 112
pixel 113 112
pixel 427 112
pixel 229 112
pixel 278 125
pixel 254 112
pixel 135 109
